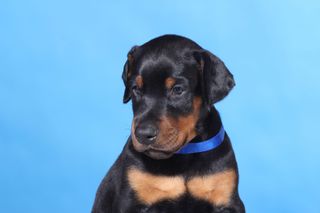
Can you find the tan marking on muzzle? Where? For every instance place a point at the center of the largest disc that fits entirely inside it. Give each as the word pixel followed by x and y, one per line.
pixel 151 188
pixel 175 133
pixel 188 124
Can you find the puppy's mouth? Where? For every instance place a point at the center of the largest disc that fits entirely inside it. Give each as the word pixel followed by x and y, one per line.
pixel 158 154
pixel 156 151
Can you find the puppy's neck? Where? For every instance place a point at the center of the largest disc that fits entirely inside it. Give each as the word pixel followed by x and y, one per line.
pixel 208 125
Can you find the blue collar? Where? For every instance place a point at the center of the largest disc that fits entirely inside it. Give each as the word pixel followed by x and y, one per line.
pixel 203 146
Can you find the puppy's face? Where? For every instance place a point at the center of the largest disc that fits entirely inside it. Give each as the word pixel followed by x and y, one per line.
pixel 165 80
pixel 166 104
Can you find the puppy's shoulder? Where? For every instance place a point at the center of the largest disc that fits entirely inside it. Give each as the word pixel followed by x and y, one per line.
pixel 110 186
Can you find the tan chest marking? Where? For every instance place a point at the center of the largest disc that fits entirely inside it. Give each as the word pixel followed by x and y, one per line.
pixel 153 188
pixel 216 188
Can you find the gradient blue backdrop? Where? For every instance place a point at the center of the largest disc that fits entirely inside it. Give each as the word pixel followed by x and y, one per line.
pixel 62 121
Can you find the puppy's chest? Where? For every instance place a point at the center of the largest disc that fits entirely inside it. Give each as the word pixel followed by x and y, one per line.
pixel 151 189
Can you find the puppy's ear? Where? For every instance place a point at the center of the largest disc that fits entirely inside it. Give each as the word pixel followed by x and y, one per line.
pixel 126 74
pixel 217 81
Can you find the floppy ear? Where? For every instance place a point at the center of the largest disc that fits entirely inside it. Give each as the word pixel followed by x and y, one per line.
pixel 126 74
pixel 217 81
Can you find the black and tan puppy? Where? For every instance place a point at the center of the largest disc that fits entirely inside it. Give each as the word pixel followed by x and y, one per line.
pixel 178 157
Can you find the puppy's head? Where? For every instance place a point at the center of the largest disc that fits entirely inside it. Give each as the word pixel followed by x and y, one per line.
pixel 171 81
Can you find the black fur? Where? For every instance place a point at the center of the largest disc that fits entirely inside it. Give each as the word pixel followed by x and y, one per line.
pixel 199 73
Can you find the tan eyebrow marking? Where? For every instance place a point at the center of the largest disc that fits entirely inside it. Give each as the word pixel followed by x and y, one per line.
pixel 169 82
pixel 139 81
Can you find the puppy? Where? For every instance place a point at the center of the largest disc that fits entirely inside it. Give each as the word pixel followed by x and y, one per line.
pixel 179 157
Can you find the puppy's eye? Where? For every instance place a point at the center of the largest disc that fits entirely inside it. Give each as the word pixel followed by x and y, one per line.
pixel 177 90
pixel 136 91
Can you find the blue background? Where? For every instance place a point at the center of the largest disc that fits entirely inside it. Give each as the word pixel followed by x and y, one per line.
pixel 62 121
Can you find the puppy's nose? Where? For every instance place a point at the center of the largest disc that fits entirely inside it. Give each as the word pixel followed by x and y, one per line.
pixel 146 134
